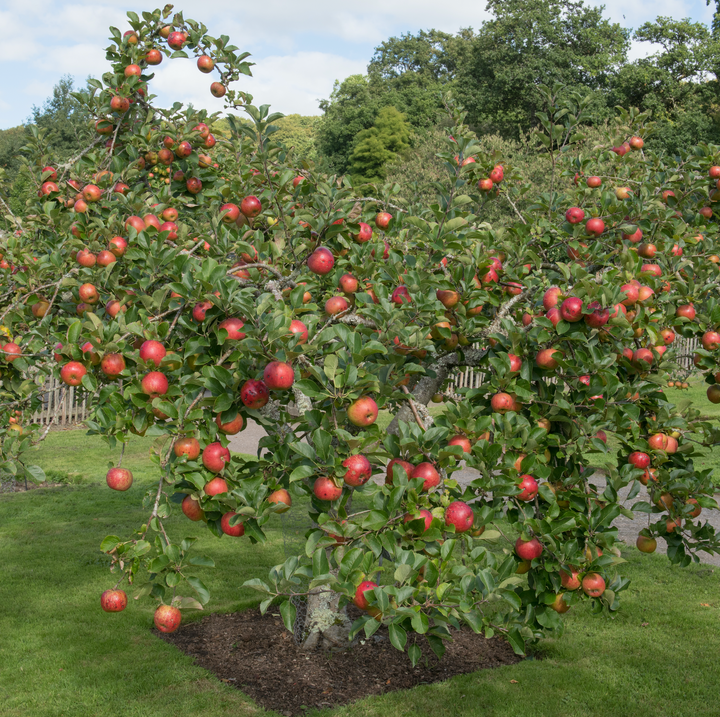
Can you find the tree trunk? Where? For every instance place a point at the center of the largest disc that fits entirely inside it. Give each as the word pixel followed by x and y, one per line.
pixel 326 626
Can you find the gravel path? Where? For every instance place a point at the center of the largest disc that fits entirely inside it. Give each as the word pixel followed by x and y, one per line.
pixel 247 442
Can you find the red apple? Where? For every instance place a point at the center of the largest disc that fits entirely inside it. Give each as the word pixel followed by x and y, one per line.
pixel 551 297
pixel 280 497
pixel 639 460
pixel 152 352
pixel 205 64
pixel 574 215
pixel 359 470
pixel 686 311
pixel 363 412
pixel 390 472
pixel 254 394
pixel 117 245
pixel 593 182
pixel 599 316
pixel 528 549
pixel 113 600
pixel 593 585
pixel 711 340
pixel 428 473
pixel 570 581
pixel 233 326
pixel 571 309
pixel 200 310
pixel 278 376
pixel 422 513
pixel 546 358
pixel 321 261
pixel 119 478
pixel 595 226
pixel 382 220
pixel 713 393
pixel 112 365
pixel 214 458
pixel 191 508
pixel 336 305
pixel 645 544
pixel 528 488
pixel 299 329
pixel 154 384
pixel 72 373
pixel 167 618
pixel 401 296
pixel 365 233
pixel 460 515
pixel 502 403
pixel 187 446
pixel 325 489
pixel 348 284
pixel 250 207
pixel 462 441
pixel 360 601
pixel 230 428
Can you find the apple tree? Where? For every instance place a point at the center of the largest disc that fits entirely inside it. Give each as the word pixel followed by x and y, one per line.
pixel 190 281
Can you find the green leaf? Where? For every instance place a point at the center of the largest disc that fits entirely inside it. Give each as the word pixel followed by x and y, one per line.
pixel 200 589
pixel 202 561
pixel 398 637
pixel 288 612
pixel 414 653
pixel 73 332
pixel 35 473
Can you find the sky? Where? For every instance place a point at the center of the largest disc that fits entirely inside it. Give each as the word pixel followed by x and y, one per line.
pixel 300 46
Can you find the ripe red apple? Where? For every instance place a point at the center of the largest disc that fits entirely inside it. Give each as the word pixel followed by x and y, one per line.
pixel 599 316
pixel 135 223
pixel 635 237
pixel 551 297
pixel 250 207
pixel 528 549
pixel 422 513
pixel 559 604
pixel 187 446
pixel 152 352
pixel 713 393
pixel 631 292
pixel 113 600
pixel 230 428
pixel 502 403
pixel 546 358
pixel 571 309
pixel 360 601
pixel 359 470
pixel 668 336
pixel 217 89
pixel 119 478
pixel 595 226
pixel 153 57
pixel 462 441
pixel 280 497
pixel 117 245
pixel 348 284
pixel 200 310
pixel 278 376
pixel 642 357
pixel 155 384
pixel 686 311
pixel 321 261
pixel 235 531
pixel 336 305
pixel 299 329
pixel 460 515
pixel 214 458
pixel 205 64
pixel 593 182
pixel 112 365
pixel 191 508
pixel 193 185
pixel 382 220
pixel 570 581
pixel 254 393
pixel 428 473
pixel 401 296
pixel 497 174
pixel 645 544
pixel 574 215
pixel 528 488
pixel 639 460
pixel 233 326
pixel 167 618
pixel 390 472
pixel 85 258
pixel 363 412
pixel 325 489
pixel 365 233
pixel 72 373
pixel 593 585
pixel 711 340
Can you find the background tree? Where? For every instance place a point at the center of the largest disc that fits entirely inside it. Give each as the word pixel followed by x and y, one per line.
pixel 388 138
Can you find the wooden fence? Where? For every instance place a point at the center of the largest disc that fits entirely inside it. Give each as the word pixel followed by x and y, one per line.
pixel 66 407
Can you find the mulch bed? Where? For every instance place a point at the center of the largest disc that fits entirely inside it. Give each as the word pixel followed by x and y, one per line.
pixel 259 656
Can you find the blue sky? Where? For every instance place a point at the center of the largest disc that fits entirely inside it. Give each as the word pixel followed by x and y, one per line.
pixel 300 46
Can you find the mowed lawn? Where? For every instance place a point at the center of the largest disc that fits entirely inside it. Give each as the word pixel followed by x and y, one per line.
pixel 60 654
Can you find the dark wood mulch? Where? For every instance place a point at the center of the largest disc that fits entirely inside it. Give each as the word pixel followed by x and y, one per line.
pixel 259 656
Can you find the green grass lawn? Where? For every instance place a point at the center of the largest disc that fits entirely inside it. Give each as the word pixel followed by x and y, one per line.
pixel 61 655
